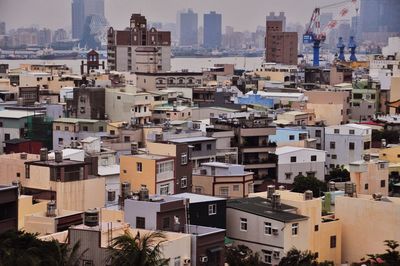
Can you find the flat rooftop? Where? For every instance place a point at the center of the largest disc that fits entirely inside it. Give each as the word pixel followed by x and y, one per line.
pixel 192 139
pixel 196 198
pixel 15 114
pixel 75 120
pixel 149 156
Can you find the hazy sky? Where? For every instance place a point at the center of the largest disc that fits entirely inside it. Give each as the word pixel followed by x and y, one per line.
pixel 241 14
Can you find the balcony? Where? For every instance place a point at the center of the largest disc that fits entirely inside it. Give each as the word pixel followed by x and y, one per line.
pixel 257 163
pixel 257 131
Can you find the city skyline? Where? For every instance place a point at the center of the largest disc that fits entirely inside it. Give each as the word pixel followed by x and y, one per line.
pixel 165 12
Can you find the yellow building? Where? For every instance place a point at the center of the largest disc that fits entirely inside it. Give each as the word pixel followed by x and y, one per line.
pixel 156 172
pixel 366 223
pixel 323 232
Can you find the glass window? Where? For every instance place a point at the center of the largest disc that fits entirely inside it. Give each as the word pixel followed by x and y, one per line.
pixel 333 241
pixel 140 222
pixel 267 228
pixel 316 227
pixel 295 229
pixel 336 131
pixel 235 187
pixel 383 183
pixel 293 159
pixel 184 158
pixel 351 131
pixel 165 167
pixel 288 175
pixel 243 224
pixel 224 191
pixel 212 209
pixel 332 145
pixel 267 257
pixel 184 182
pixel 209 146
pixel 164 189
pixel 139 167
pixel 351 145
pixel 313 158
pixel 291 137
pixel 318 133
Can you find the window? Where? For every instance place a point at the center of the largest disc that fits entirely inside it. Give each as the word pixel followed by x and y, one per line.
pixel 367 145
pixel 293 159
pixel 118 97
pixel 101 129
pixel 336 131
pixel 291 137
pixel 7 136
pixel 110 195
pixel 267 228
pixel 184 158
pixel 295 229
pixel 212 209
pixel 313 158
pixel 66 128
pixel 316 227
pixel 127 138
pixel 112 132
pixel 235 187
pixel 87 263
pixel 85 128
pixel 351 131
pixel 334 156
pixel 197 147
pixel 243 224
pixel 165 222
pixel 163 167
pixel 209 146
pixel 1 124
pixel 164 189
pixel 333 241
pixel 332 145
pixel 366 186
pixel 318 133
pixel 57 127
pixel 198 190
pixel 351 145
pixel 18 174
pixel 267 257
pixel 288 175
pixel 139 167
pixel 184 182
pixel 60 141
pixel 140 222
pixel 224 191
pixel 383 183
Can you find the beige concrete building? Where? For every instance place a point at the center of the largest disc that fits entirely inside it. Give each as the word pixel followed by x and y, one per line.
pixel 331 107
pixel 129 105
pixel 366 223
pixel 27 206
pixel 223 180
pixel 305 118
pixel 320 234
pixel 370 176
pixel 12 167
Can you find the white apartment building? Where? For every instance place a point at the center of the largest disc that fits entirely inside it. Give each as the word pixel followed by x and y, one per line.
pixel 346 143
pixel 294 161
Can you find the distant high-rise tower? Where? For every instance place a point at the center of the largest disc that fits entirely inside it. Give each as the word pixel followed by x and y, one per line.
pixel 212 30
pixel 379 19
pixel 81 9
pixel 2 28
pixel 188 28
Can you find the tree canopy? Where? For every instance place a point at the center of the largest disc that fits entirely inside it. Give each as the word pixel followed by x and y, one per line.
pixel 241 255
pixel 303 183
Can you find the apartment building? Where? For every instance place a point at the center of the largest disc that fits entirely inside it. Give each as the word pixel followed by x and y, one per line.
pixel 286 136
pixel 269 228
pixel 182 164
pixel 366 223
pixel 65 130
pixel 252 138
pixel 87 103
pixel 319 233
pixel 138 48
pixel 13 125
pixel 295 161
pixel 156 172
pixel 371 176
pixel 129 105
pixel 330 107
pixel 205 210
pixel 346 143
pixel 204 149
pixel 297 118
pixel 223 180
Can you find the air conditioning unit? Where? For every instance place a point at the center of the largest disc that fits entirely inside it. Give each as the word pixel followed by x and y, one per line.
pixel 275 231
pixel 203 259
pixel 186 261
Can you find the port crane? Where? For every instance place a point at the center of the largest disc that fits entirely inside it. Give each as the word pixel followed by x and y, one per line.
pixel 315 35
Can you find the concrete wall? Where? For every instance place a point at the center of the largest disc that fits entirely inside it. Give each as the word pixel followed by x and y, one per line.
pixel 130 174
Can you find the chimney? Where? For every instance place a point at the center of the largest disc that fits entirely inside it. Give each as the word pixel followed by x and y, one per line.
pixel 270 191
pixel 58 157
pixel 51 209
pixel 44 155
pixel 276 201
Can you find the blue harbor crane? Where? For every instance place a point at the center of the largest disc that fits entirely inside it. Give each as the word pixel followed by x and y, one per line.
pixel 341 47
pixel 352 46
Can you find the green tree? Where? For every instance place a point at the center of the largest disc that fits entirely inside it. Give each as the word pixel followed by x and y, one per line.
pixel 302 183
pixel 241 255
pixel 295 257
pixel 391 257
pixel 126 250
pixel 22 248
pixel 339 173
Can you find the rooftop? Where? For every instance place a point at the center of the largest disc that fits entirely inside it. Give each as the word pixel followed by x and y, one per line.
pixel 196 198
pixel 15 114
pixel 289 149
pixel 75 120
pixel 149 156
pixel 219 164
pixel 261 207
pixel 108 170
pixel 192 139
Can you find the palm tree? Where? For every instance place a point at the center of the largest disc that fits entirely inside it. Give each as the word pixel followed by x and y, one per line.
pixel 126 250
